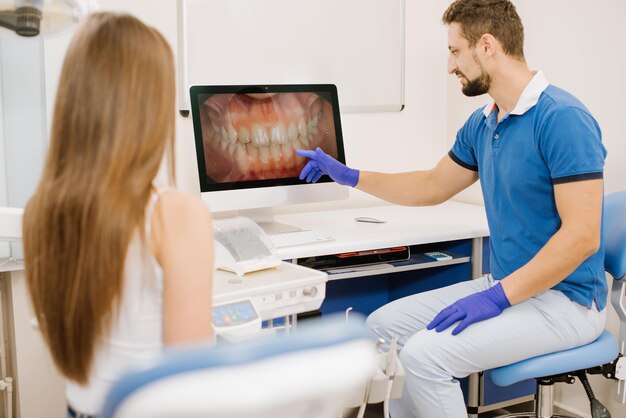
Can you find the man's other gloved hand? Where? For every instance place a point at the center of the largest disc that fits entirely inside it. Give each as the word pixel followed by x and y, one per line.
pixel 321 163
pixel 470 309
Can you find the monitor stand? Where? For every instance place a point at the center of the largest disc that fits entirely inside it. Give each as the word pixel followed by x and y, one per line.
pixel 265 219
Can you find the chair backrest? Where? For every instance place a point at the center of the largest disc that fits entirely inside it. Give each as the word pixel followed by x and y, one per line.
pixel 614 234
pixel 308 373
pixel 614 237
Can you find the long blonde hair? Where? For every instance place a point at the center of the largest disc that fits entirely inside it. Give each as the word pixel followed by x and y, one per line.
pixel 113 123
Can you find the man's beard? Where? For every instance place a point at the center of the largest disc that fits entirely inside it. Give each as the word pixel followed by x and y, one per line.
pixel 480 85
pixel 477 86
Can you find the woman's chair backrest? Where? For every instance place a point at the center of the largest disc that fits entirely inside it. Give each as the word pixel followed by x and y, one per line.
pixel 310 373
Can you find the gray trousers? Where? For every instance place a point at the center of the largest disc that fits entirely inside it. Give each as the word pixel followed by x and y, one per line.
pixel 433 360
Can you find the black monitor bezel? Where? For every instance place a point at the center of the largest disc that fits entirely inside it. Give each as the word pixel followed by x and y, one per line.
pixel 196 91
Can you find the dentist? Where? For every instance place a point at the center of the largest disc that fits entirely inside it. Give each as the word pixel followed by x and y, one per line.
pixel 538 154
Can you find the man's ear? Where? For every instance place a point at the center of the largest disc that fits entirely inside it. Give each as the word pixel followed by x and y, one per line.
pixel 487 44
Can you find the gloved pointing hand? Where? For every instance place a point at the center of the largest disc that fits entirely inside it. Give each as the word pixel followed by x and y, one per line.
pixel 321 163
pixel 470 309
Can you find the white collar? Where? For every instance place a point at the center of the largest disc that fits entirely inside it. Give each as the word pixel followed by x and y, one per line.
pixel 529 97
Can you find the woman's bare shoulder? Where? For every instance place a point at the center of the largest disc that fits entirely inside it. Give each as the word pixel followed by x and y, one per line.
pixel 179 202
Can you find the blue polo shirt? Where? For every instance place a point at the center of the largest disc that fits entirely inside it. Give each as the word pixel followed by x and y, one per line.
pixel 547 139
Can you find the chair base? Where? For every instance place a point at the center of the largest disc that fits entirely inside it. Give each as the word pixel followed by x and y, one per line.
pixel 543 403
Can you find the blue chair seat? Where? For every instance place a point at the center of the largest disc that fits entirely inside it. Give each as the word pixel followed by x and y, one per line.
pixel 601 351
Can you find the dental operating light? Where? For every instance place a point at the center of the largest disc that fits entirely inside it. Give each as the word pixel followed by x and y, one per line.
pixel 30 18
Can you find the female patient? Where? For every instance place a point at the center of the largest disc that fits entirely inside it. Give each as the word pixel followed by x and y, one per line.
pixel 116 267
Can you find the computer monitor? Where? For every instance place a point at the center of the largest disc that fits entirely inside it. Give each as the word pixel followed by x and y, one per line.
pixel 246 137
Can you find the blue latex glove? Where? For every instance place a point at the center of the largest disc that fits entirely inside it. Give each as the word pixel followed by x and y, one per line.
pixel 470 309
pixel 321 163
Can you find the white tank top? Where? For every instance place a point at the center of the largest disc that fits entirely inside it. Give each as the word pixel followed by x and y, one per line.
pixel 136 337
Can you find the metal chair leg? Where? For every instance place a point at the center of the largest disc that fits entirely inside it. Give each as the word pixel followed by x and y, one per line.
pixel 544 401
pixel 543 404
pixel 473 389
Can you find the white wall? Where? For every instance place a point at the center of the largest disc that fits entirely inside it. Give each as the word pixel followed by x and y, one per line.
pixel 5 249
pixel 398 141
pixel 575 42
pixel 3 176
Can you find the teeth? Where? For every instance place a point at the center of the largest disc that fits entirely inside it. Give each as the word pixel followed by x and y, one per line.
pixel 241 157
pixel 279 134
pixel 264 154
pixel 252 151
pixel 232 135
pixel 244 135
pixel 259 135
pixel 298 145
pixel 305 141
pixel 223 145
pixel 292 132
pixel 276 150
pixel 302 127
pixel 287 151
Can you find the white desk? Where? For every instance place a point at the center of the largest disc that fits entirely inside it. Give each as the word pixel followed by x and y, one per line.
pixel 405 226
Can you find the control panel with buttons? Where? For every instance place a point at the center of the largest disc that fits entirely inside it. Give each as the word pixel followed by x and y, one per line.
pixel 288 289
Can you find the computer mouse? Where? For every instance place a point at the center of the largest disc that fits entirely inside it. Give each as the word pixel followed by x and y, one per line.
pixel 369 220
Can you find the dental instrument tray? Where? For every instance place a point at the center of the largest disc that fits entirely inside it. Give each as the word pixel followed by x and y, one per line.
pixel 241 246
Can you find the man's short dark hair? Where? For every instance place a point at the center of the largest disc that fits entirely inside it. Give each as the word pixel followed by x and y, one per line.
pixel 496 17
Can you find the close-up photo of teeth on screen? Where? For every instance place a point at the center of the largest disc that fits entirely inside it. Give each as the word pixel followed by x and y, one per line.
pixel 253 136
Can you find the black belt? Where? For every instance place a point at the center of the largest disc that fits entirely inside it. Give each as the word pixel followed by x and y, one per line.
pixel 74 414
